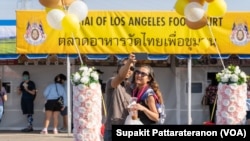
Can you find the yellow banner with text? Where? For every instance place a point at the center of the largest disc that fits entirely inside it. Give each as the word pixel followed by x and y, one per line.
pixel 122 32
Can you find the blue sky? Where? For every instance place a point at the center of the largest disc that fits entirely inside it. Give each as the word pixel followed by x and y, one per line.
pixel 8 7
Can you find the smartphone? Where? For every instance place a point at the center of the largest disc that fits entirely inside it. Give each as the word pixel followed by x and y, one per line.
pixel 141 56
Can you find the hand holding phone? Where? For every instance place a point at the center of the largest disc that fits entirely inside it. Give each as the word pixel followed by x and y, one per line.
pixel 141 56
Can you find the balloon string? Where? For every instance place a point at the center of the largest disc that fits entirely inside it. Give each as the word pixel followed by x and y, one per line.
pixel 77 49
pixel 64 6
pixel 216 46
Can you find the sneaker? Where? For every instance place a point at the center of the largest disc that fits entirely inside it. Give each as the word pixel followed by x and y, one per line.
pixel 63 130
pixel 28 129
pixel 55 131
pixel 44 132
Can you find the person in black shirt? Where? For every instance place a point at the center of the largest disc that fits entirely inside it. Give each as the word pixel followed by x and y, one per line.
pixel 27 90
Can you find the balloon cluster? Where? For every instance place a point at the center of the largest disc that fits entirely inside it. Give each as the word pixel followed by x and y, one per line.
pixel 65 14
pixel 195 15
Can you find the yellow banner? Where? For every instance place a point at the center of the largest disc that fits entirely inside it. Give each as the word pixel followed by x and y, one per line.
pixel 152 32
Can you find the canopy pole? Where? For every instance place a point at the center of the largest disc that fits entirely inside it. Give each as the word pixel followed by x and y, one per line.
pixel 189 89
pixel 68 95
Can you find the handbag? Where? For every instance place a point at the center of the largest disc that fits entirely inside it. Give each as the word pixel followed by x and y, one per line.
pixel 59 100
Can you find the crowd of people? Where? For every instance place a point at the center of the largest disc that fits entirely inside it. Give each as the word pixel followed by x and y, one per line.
pixel 27 90
pixel 127 82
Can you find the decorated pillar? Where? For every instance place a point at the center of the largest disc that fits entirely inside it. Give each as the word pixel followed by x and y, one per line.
pixel 232 95
pixel 231 104
pixel 87 114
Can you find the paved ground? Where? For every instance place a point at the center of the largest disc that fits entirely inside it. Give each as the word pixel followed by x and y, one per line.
pixel 34 136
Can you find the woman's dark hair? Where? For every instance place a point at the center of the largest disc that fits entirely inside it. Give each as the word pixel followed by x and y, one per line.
pixel 62 77
pixel 152 83
pixel 213 79
pixel 26 73
pixel 59 78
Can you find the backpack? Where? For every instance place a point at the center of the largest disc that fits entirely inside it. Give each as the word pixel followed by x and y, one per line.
pixel 160 107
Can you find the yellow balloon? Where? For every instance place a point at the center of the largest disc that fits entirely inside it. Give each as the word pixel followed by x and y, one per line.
pixel 180 6
pixel 216 8
pixel 70 23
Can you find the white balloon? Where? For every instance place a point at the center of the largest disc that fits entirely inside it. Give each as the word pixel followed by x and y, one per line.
pixel 194 11
pixel 54 18
pixel 78 8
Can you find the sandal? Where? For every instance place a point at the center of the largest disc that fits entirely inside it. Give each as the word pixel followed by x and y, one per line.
pixel 44 132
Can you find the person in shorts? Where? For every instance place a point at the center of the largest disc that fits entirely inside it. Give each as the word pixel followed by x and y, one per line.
pixel 27 90
pixel 52 109
pixel 64 112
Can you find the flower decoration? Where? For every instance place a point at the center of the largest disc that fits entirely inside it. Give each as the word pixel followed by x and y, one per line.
pixel 232 75
pixel 85 76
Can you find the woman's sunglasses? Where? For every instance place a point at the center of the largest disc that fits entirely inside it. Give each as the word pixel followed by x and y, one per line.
pixel 143 74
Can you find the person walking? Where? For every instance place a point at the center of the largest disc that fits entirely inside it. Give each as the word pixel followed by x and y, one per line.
pixel 51 93
pixel 3 98
pixel 27 90
pixel 117 95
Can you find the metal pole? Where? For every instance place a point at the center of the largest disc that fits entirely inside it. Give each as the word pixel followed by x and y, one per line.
pixel 68 95
pixel 189 89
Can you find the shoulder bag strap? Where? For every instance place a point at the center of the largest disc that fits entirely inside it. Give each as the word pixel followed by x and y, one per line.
pixel 144 95
pixel 57 90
